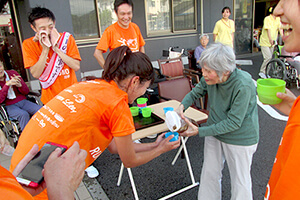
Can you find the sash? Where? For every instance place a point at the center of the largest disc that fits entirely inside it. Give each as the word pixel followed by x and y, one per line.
pixel 55 65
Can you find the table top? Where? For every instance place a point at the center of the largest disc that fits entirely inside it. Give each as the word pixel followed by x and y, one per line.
pixel 158 110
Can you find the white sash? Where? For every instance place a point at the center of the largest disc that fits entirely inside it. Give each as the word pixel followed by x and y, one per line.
pixel 55 65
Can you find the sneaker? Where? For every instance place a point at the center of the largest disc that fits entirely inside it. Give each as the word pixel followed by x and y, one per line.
pixel 137 141
pixel 152 136
pixel 262 75
pixel 92 172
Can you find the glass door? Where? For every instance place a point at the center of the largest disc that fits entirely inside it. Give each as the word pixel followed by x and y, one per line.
pixel 243 26
pixel 10 49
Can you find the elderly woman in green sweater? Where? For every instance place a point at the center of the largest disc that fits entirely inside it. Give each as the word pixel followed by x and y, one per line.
pixel 232 130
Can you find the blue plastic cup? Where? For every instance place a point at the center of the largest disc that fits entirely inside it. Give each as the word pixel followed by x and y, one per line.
pixel 166 109
pixel 175 138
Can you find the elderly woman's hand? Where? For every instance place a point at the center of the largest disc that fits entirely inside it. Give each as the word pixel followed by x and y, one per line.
pixel 288 99
pixel 180 110
pixel 191 130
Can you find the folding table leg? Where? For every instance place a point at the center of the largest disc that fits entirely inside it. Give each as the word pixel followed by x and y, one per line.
pixel 120 175
pixel 130 178
pixel 179 151
pixel 194 184
pixel 187 160
pixel 132 184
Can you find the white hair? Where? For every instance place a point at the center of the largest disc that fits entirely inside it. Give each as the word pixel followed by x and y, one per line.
pixel 219 57
pixel 202 35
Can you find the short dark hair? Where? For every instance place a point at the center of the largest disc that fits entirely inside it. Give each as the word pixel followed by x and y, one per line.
pixel 122 63
pixel 117 3
pixel 38 13
pixel 226 8
pixel 270 10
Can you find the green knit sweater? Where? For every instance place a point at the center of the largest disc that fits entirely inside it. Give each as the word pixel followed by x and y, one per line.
pixel 233 117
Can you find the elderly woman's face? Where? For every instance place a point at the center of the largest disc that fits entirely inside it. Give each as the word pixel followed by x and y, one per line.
pixel 204 41
pixel 211 77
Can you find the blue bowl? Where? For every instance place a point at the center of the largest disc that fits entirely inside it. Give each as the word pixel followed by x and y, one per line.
pixel 175 138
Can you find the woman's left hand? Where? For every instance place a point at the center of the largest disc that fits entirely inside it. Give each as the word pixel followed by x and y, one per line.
pixel 159 139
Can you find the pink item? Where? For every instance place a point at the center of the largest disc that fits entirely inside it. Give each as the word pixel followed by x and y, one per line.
pixel 142 105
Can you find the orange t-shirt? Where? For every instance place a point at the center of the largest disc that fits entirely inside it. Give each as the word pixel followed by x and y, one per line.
pixel 115 36
pixel 91 113
pixel 10 188
pixel 284 182
pixel 31 53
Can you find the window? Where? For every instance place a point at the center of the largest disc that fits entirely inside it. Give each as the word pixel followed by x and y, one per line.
pixel 86 24
pixel 170 16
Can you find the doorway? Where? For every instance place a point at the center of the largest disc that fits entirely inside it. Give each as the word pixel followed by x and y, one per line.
pixel 10 48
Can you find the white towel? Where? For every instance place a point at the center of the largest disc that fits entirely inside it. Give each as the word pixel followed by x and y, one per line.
pixel 10 94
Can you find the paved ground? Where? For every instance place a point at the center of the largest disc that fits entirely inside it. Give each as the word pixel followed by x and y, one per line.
pixel 159 178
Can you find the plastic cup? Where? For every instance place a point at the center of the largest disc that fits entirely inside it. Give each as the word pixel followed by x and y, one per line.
pixel 134 111
pixel 141 102
pixel 175 138
pixel 146 112
pixel 268 88
pixel 166 109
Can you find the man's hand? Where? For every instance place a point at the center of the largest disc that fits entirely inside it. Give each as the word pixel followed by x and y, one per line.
pixel 64 173
pixel 33 191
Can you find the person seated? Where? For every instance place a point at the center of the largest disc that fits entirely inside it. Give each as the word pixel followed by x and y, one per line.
pixel 294 61
pixel 13 91
pixel 204 39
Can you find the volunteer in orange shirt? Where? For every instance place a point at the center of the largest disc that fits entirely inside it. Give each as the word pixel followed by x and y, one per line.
pixel 96 114
pixel 68 172
pixel 284 181
pixel 122 33
pixel 53 64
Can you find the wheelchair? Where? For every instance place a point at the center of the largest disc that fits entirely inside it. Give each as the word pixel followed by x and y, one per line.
pixel 10 126
pixel 281 68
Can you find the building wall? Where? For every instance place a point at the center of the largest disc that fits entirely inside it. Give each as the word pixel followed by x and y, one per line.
pixel 154 45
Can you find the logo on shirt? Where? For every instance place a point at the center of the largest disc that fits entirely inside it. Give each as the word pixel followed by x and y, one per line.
pixel 79 98
pixel 95 152
pixel 131 43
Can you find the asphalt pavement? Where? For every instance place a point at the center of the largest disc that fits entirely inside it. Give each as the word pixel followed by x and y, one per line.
pixel 159 178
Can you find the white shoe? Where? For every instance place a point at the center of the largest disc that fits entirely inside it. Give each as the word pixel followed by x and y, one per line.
pixel 92 172
pixel 152 136
pixel 262 75
pixel 137 141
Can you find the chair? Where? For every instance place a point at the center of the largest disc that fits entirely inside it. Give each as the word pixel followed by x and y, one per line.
pixel 177 89
pixel 167 91
pixel 10 126
pixel 183 86
pixel 173 68
pixel 192 60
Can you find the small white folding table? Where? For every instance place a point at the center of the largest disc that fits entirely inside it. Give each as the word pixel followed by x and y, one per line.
pixel 158 110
